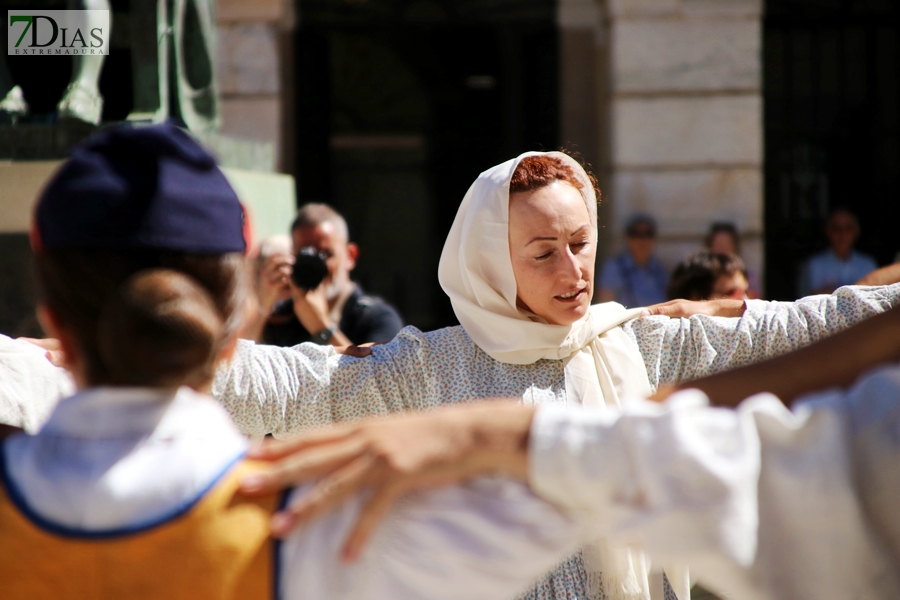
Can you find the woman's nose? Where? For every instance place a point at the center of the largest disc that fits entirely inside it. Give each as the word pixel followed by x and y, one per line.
pixel 571 267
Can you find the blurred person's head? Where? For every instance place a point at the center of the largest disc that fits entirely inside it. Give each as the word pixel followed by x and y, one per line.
pixel 279 243
pixel 321 227
pixel 842 231
pixel 640 237
pixel 552 238
pixel 708 276
pixel 723 238
pixel 139 255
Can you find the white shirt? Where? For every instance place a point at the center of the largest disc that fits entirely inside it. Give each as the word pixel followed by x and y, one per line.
pixel 29 385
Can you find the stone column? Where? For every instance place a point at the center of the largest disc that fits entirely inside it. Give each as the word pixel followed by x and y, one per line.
pixel 686 119
pixel 253 47
pixel 584 96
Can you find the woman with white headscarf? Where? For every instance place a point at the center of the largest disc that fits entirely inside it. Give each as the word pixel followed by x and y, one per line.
pixel 518 266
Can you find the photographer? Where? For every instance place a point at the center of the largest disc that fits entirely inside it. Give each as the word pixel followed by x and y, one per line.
pixel 325 305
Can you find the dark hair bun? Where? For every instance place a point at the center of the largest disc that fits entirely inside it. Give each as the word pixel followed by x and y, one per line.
pixel 160 329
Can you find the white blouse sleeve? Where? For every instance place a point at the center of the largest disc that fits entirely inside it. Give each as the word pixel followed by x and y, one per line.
pixel 682 349
pixel 760 501
pixel 30 386
pixel 269 389
pixel 662 477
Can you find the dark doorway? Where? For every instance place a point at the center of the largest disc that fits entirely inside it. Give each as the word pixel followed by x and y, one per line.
pixel 400 106
pixel 832 128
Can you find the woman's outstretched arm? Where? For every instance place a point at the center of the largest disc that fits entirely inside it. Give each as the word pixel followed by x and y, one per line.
pixel 836 361
pixel 677 350
pixel 281 391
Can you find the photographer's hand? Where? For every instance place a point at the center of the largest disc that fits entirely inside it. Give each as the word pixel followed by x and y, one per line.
pixel 311 308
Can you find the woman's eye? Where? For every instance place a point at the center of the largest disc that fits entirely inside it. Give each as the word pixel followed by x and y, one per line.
pixel 579 245
pixel 543 256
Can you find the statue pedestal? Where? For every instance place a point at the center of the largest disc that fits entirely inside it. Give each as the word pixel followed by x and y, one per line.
pixel 30 141
pixel 20 182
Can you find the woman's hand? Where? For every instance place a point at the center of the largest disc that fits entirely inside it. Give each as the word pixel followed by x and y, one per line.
pixel 357 350
pixel 724 307
pixel 392 457
pixel 54 351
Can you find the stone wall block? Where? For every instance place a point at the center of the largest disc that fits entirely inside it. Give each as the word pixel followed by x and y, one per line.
pixel 748 8
pixel 662 8
pixel 642 8
pixel 686 202
pixel 686 131
pixel 252 118
pixel 657 55
pixel 231 11
pixel 248 59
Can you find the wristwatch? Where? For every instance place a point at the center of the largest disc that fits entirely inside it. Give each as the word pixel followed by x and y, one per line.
pixel 324 336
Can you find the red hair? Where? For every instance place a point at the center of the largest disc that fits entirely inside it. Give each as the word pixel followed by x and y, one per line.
pixel 535 172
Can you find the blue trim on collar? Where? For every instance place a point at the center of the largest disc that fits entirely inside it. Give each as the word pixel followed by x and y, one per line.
pixel 276 550
pixel 19 501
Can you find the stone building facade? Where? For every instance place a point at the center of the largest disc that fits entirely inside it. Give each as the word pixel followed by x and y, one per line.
pixel 664 98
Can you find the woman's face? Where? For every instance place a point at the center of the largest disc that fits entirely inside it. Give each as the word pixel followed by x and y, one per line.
pixel 552 246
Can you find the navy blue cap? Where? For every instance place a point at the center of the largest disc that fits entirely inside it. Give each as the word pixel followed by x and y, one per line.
pixel 140 187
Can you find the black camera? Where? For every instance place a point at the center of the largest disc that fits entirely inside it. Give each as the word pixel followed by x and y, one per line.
pixel 309 268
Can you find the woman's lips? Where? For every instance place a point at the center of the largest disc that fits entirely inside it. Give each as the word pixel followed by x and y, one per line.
pixel 574 298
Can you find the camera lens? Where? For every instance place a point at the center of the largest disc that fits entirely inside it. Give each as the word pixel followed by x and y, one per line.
pixel 309 268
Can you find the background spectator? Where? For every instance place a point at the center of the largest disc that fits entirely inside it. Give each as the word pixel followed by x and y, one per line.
pixel 723 238
pixel 336 312
pixel 840 264
pixel 273 272
pixel 635 277
pixel 708 276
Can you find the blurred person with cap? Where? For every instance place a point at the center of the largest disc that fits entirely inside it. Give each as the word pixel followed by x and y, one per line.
pixel 635 277
pixel 840 264
pixel 130 488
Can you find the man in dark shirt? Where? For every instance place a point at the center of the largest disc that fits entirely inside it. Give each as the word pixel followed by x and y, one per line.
pixel 338 311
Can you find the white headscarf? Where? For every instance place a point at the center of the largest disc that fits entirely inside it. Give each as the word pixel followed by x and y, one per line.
pixel 601 362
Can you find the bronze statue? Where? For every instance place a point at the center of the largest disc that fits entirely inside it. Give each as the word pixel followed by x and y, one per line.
pixel 173 45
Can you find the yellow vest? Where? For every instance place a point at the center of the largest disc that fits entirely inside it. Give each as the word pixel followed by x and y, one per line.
pixel 219 549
